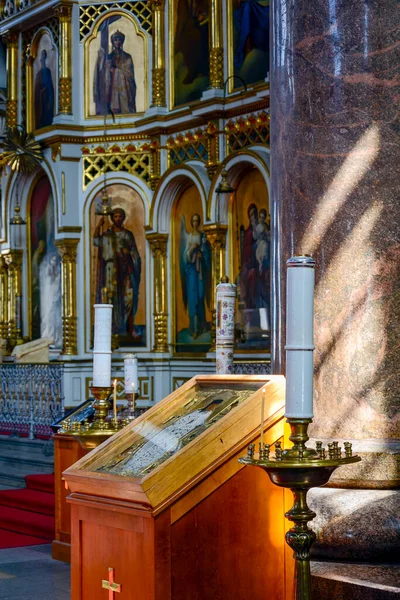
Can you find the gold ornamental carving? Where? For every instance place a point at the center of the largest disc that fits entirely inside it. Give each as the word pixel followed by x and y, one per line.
pixel 247 131
pixel 133 159
pixel 89 13
pixel 216 236
pixel 216 67
pixel 11 113
pixel 67 249
pixel 158 244
pixel 65 96
pixel 158 87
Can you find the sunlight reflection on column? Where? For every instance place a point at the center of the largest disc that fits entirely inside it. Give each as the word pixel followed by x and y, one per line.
pixel 356 164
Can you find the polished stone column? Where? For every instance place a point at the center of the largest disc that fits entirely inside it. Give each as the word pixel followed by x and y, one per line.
pixel 67 250
pixel 335 156
pixel 158 244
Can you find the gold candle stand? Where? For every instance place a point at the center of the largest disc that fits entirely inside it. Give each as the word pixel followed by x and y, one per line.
pixel 90 435
pixel 299 469
pixel 131 399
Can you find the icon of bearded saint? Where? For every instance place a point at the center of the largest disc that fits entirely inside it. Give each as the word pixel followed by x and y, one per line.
pixel 114 87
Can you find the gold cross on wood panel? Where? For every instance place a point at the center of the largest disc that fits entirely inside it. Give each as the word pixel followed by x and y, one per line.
pixel 110 585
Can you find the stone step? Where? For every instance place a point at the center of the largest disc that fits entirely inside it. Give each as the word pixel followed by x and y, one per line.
pixel 21 460
pixel 20 456
pixel 23 444
pixel 11 481
pixel 355 581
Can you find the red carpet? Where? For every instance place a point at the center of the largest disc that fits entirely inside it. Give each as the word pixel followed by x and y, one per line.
pixel 27 515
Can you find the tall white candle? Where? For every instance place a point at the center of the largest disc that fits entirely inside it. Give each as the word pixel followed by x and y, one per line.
pixel 299 337
pixel 102 345
pixel 101 369
pixel 102 327
pixel 130 372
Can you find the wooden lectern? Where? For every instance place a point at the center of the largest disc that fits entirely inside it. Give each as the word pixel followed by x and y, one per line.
pixel 164 511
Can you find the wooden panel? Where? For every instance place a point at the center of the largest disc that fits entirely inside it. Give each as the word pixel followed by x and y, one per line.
pixel 104 537
pixel 162 536
pixel 196 460
pixel 230 546
pixel 225 472
pixel 67 451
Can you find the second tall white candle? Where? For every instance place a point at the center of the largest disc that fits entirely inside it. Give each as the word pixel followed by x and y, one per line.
pixel 300 337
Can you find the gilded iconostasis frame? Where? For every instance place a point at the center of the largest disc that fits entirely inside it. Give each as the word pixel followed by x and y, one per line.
pixel 237 76
pixel 127 196
pixel 196 39
pixel 120 20
pixel 191 330
pixel 36 83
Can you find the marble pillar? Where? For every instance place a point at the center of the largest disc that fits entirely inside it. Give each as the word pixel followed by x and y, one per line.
pixel 335 180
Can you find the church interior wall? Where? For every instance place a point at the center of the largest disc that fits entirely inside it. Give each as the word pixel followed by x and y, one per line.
pixel 177 143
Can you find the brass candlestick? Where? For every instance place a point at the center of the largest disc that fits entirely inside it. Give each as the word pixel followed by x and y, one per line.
pixel 131 399
pixel 299 469
pixel 90 435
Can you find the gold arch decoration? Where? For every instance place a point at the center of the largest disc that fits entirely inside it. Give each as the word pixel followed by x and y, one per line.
pixel 88 14
pixel 135 160
pixel 248 131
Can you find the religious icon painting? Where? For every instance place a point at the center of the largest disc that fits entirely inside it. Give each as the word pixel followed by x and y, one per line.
pixel 249 34
pixel 118 263
pixel 45 267
pixel 189 49
pixel 43 66
pixel 116 67
pixel 192 274
pixel 250 243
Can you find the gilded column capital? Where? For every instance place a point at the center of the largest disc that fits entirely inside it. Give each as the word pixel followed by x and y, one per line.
pixel 157 4
pixel 67 249
pixel 158 244
pixel 13 259
pixel 10 38
pixel 216 235
pixel 63 11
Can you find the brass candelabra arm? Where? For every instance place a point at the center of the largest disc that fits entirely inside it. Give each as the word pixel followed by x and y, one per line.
pixel 299 469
